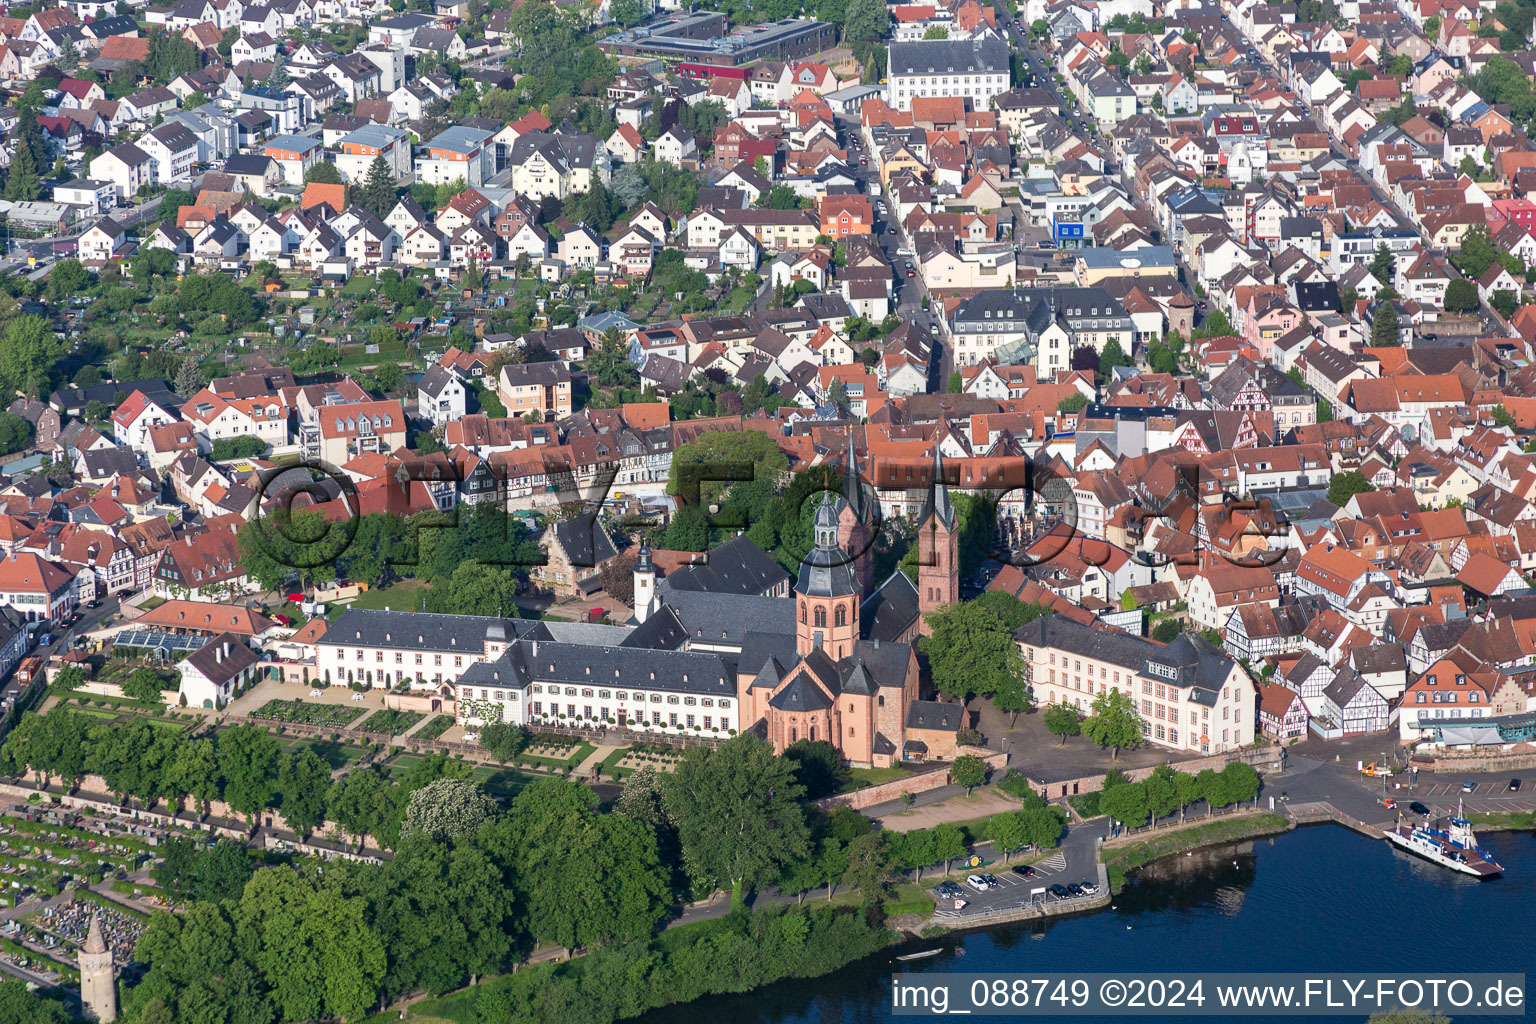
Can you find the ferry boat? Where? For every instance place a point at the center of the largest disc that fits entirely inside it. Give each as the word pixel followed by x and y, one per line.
pixel 1454 847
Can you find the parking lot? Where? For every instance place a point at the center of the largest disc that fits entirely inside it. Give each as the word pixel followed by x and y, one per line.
pixel 1076 861
pixel 1487 795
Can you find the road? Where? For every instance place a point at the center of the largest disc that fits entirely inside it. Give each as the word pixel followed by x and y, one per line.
pixel 910 291
pixel 22 248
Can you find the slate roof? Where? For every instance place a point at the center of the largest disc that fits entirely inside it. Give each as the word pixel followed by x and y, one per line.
pixel 736 567
pixel 422 631
pixel 584 541
pixel 1187 662
pixel 889 612
pixel 935 714
pixel 222 658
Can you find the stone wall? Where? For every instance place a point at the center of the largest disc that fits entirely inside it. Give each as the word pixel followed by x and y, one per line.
pixel 934 776
pixel 1264 758
pixel 1453 763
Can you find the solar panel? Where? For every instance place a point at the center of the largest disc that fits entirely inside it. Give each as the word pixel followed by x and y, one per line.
pixel 149 638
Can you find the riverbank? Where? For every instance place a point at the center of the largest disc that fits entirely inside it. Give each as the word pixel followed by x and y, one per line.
pixel 735 953
pixel 1120 857
pixel 1512 821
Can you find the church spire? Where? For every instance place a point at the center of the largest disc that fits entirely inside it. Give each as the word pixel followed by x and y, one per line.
pixel 937 505
pixel 853 482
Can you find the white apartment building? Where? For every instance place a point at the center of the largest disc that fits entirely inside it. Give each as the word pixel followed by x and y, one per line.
pixel 973 69
pixel 1191 697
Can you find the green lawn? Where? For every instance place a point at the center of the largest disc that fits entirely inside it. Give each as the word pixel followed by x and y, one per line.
pixel 859 778
pixel 404 595
pixel 611 763
pixel 336 755
pixel 435 728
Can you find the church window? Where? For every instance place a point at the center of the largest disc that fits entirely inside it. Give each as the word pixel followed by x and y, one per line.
pixel 842 616
pixel 821 617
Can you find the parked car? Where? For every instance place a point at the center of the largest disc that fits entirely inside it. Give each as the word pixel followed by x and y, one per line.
pixel 1059 891
pixel 46 640
pixel 1418 808
pixel 1024 871
pixel 990 879
pixel 948 891
pixel 1075 889
pixel 977 882
pixel 1468 786
pixel 1514 785
pixel 1089 887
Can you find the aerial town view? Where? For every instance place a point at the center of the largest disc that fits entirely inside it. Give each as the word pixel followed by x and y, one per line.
pixel 574 511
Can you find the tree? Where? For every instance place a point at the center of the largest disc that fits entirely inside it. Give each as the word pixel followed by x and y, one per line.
pixel 868 867
pixel 1162 791
pixel 277 79
pixel 312 943
pixel 865 21
pixel 143 684
pixel 628 13
pixel 936 32
pixel 361 802
pixel 67 279
pixel 247 758
pixel 1241 781
pixel 1013 695
pixel 15 433
pixel 1505 302
pixel 779 197
pixel 503 740
pixel 1460 297
pixel 1075 402
pixel 1346 485
pixel 969 771
pixel 303 781
pixel 609 363
pixel 948 843
pixel 1383 265
pixel 1386 328
pixel 1010 831
pixel 1126 804
pixel 22 182
pixel 1114 722
pixel 379 190
pixel 1061 720
pixel 818 767
pixel 971 651
pixel 446 809
pixel 955 384
pixel 737 812
pixel 1166 631
pixel 1112 356
pixel 324 173
pixel 189 376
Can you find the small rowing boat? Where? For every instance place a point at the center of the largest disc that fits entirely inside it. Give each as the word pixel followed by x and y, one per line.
pixel 925 954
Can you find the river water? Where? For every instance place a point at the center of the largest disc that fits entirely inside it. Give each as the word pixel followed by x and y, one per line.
pixel 1320 899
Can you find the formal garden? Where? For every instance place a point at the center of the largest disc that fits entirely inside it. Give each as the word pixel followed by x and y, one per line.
pixel 435 728
pixel 659 756
pixel 302 712
pixel 391 721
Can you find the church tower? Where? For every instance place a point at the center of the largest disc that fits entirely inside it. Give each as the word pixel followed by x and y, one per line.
pixel 938 562
pixel 645 584
pixel 855 521
pixel 98 990
pixel 826 591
